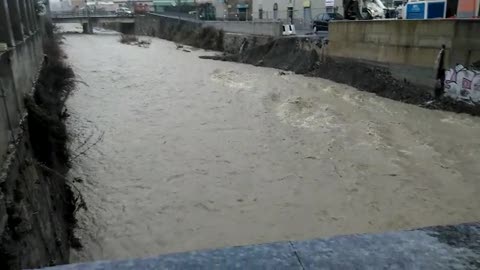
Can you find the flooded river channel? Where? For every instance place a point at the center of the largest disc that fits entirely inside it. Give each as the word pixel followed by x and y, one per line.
pixel 179 153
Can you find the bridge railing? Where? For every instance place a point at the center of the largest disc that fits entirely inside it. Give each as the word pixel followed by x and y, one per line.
pixel 84 13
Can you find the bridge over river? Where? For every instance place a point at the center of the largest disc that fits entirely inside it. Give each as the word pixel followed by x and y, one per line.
pixel 88 19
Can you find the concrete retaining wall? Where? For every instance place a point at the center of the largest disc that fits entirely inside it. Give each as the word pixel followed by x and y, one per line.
pixel 32 226
pixel 273 29
pixel 233 42
pixel 408 47
pixel 18 70
pixel 267 28
pixel 18 65
pixel 154 24
pixel 35 201
pixel 182 30
pixel 34 214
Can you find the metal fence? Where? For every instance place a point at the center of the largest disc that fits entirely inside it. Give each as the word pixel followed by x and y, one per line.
pixel 188 15
pixel 83 13
pixel 302 19
pixel 231 16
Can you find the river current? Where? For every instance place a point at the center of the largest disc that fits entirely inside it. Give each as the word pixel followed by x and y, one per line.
pixel 178 153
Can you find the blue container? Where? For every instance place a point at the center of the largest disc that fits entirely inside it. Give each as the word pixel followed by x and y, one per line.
pixel 436 10
pixel 422 10
pixel 416 10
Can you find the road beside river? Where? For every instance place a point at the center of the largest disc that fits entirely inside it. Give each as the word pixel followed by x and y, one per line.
pixel 183 153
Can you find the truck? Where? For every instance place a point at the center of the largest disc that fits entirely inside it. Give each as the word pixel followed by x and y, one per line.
pixel 364 9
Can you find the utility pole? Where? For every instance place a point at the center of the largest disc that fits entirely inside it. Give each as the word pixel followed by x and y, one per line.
pixel 88 11
pixel 88 27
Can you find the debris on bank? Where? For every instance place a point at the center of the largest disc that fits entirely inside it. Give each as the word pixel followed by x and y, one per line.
pixel 302 56
pixel 183 48
pixel 134 40
pixel 291 54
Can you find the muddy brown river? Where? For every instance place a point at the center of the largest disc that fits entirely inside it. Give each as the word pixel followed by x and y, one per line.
pixel 178 153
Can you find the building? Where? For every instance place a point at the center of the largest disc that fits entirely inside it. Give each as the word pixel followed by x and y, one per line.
pixel 61 5
pixel 132 3
pixel 468 9
pixel 173 5
pixel 77 4
pixel 240 10
pixel 297 11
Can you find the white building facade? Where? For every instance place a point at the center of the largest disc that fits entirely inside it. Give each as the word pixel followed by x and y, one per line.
pixel 61 5
pixel 300 11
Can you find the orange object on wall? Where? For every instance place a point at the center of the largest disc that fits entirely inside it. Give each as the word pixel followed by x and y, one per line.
pixel 467 8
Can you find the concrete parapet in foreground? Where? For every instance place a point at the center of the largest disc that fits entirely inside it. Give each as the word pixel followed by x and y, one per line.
pixel 435 248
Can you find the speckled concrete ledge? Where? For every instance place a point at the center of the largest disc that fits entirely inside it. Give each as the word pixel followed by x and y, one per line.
pixel 436 248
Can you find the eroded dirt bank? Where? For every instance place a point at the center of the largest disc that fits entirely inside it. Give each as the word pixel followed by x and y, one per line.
pixel 192 153
pixel 182 31
pixel 304 56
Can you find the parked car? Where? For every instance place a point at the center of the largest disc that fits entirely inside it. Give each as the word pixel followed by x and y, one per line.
pixel 320 22
pixel 123 11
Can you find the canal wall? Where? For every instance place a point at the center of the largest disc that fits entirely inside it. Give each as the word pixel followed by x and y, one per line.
pixel 221 36
pixel 36 204
pixel 407 48
pixel 234 42
pixel 184 31
pixel 258 28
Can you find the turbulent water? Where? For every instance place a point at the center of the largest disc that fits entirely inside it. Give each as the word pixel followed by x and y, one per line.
pixel 178 153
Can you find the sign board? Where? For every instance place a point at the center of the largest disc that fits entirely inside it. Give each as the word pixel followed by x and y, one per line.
pixel 416 10
pixel 329 3
pixel 422 10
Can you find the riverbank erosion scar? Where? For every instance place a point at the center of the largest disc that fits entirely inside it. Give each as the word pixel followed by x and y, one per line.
pixel 182 31
pixel 37 204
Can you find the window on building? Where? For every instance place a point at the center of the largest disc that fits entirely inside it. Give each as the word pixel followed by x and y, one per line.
pixel 275 11
pixel 290 14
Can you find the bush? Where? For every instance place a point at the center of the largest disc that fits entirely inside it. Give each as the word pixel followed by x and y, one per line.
pixel 127 39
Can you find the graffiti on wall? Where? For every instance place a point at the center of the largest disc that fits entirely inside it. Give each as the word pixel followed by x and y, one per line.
pixel 463 84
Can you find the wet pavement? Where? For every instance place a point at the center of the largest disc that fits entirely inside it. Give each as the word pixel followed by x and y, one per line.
pixel 182 153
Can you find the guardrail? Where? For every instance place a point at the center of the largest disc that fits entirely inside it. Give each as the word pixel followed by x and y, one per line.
pixel 84 13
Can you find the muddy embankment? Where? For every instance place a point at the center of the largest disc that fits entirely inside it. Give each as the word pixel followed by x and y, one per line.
pixel 306 56
pixel 181 31
pixel 37 229
pixel 207 38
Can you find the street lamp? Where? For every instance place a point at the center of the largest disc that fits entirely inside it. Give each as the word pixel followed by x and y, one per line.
pixel 87 8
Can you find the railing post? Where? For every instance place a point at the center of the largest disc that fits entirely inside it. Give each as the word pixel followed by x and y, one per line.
pixel 32 14
pixel 6 33
pixel 16 20
pixel 25 18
